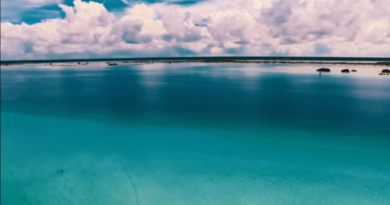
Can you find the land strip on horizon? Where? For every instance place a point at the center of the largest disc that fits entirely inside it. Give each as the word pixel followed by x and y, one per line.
pixel 224 59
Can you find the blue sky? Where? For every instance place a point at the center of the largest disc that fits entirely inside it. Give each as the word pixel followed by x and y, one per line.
pixel 44 29
pixel 33 12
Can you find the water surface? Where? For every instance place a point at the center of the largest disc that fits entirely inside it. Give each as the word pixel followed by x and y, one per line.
pixel 194 134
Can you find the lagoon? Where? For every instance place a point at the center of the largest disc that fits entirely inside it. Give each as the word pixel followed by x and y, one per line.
pixel 194 134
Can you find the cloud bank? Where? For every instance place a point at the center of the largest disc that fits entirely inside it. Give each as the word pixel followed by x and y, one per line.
pixel 214 27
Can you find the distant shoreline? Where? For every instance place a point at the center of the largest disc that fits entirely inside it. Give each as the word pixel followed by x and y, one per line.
pixel 362 61
pixel 291 62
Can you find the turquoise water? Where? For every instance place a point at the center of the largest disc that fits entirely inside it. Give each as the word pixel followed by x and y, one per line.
pixel 193 134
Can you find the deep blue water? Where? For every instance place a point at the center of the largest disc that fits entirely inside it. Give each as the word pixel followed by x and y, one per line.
pixel 193 134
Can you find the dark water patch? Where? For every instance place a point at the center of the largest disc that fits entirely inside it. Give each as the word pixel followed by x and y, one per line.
pixel 202 95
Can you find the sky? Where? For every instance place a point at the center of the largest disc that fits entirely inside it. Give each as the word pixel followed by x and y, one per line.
pixel 55 29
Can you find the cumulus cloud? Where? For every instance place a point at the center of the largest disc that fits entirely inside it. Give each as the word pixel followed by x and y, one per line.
pixel 214 27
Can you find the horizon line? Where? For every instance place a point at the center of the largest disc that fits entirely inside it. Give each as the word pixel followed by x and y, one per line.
pixel 294 58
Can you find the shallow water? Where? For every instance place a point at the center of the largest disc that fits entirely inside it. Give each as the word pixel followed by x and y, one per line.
pixel 194 134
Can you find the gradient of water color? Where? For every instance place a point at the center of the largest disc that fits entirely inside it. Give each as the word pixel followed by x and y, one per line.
pixel 194 134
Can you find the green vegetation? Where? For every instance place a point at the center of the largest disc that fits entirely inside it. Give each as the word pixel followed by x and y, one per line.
pixel 385 71
pixel 323 70
pixel 383 63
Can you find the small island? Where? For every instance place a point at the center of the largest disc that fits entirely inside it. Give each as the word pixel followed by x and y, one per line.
pixel 385 72
pixel 354 71
pixel 112 64
pixel 323 70
pixel 345 70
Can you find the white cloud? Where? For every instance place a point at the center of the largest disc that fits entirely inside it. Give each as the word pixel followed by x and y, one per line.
pixel 215 27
